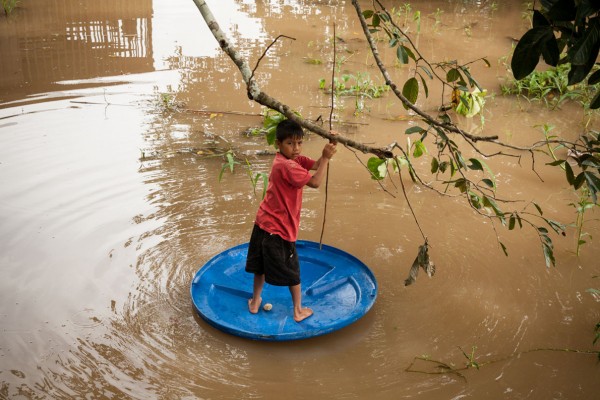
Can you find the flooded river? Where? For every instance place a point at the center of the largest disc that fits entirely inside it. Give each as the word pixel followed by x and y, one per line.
pixel 110 201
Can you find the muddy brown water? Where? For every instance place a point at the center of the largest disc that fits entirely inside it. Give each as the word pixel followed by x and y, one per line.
pixel 107 213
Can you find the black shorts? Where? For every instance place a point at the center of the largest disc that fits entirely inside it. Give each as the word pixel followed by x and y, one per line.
pixel 274 257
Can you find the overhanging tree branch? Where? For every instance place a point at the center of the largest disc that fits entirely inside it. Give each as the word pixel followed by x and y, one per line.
pixel 388 80
pixel 254 92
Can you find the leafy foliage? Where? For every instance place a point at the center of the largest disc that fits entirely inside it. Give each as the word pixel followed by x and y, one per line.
pixel 458 76
pixel 587 164
pixel 471 177
pixel 577 25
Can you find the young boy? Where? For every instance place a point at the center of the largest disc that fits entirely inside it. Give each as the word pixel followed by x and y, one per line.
pixel 272 254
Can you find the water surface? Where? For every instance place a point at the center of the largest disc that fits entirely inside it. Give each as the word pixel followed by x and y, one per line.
pixel 109 205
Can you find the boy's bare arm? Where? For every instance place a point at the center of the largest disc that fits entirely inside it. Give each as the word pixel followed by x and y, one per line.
pixel 321 165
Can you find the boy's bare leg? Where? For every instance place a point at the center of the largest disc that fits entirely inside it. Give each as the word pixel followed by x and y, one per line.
pixel 300 313
pixel 254 302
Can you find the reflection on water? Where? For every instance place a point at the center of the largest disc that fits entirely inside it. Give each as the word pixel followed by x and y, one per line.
pixel 44 43
pixel 110 206
pixel 125 38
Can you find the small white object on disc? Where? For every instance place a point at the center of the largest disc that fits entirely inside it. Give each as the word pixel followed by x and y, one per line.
pixel 268 307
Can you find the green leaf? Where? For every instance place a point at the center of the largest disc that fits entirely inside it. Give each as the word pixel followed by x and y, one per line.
pixel 444 166
pixel 529 49
pixel 461 184
pixel 538 208
pixel 550 51
pixel 548 255
pixel 472 80
pixel 271 136
pixel 425 87
pixel 593 184
pixel 378 168
pixel 579 181
pixel 427 71
pixel 411 90
pixel 583 49
pixel 367 14
pixel 453 75
pixel 419 149
pixel 491 203
pixel 376 20
pixel 489 183
pixel 503 249
pixel 400 162
pixel 230 161
pixel 577 73
pixel 414 129
pixel 475 200
pixel 590 161
pixel 460 160
pixel 401 54
pixel 511 222
pixel 594 78
pixel 435 165
pixel 490 173
pixel 556 226
pixel 384 16
pixel 453 168
pixel 410 53
pixel 595 103
pixel 570 175
pixel 475 165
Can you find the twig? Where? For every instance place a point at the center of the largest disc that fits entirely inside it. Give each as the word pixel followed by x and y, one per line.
pixel 265 53
pixel 330 129
pixel 447 369
pixel 408 201
pixel 370 172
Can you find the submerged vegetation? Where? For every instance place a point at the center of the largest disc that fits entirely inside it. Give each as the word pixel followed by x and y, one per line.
pixel 359 85
pixel 551 87
pixel 167 101
pixel 9 5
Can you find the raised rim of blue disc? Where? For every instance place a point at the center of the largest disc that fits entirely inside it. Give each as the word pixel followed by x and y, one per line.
pixel 338 287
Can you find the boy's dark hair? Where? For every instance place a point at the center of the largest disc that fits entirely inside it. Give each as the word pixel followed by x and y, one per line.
pixel 288 128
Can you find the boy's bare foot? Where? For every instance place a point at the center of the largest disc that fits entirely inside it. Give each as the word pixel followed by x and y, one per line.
pixel 254 306
pixel 301 315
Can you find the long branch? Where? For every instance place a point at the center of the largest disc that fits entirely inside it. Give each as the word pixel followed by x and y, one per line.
pixel 254 92
pixel 388 80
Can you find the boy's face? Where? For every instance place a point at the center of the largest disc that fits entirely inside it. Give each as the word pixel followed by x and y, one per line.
pixel 290 147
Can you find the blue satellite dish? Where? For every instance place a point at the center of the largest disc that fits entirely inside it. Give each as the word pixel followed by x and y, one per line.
pixel 336 285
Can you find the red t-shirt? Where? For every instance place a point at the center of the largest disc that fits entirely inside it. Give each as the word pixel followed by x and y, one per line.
pixel 279 212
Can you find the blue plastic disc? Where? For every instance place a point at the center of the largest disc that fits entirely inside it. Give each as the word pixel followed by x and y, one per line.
pixel 336 285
